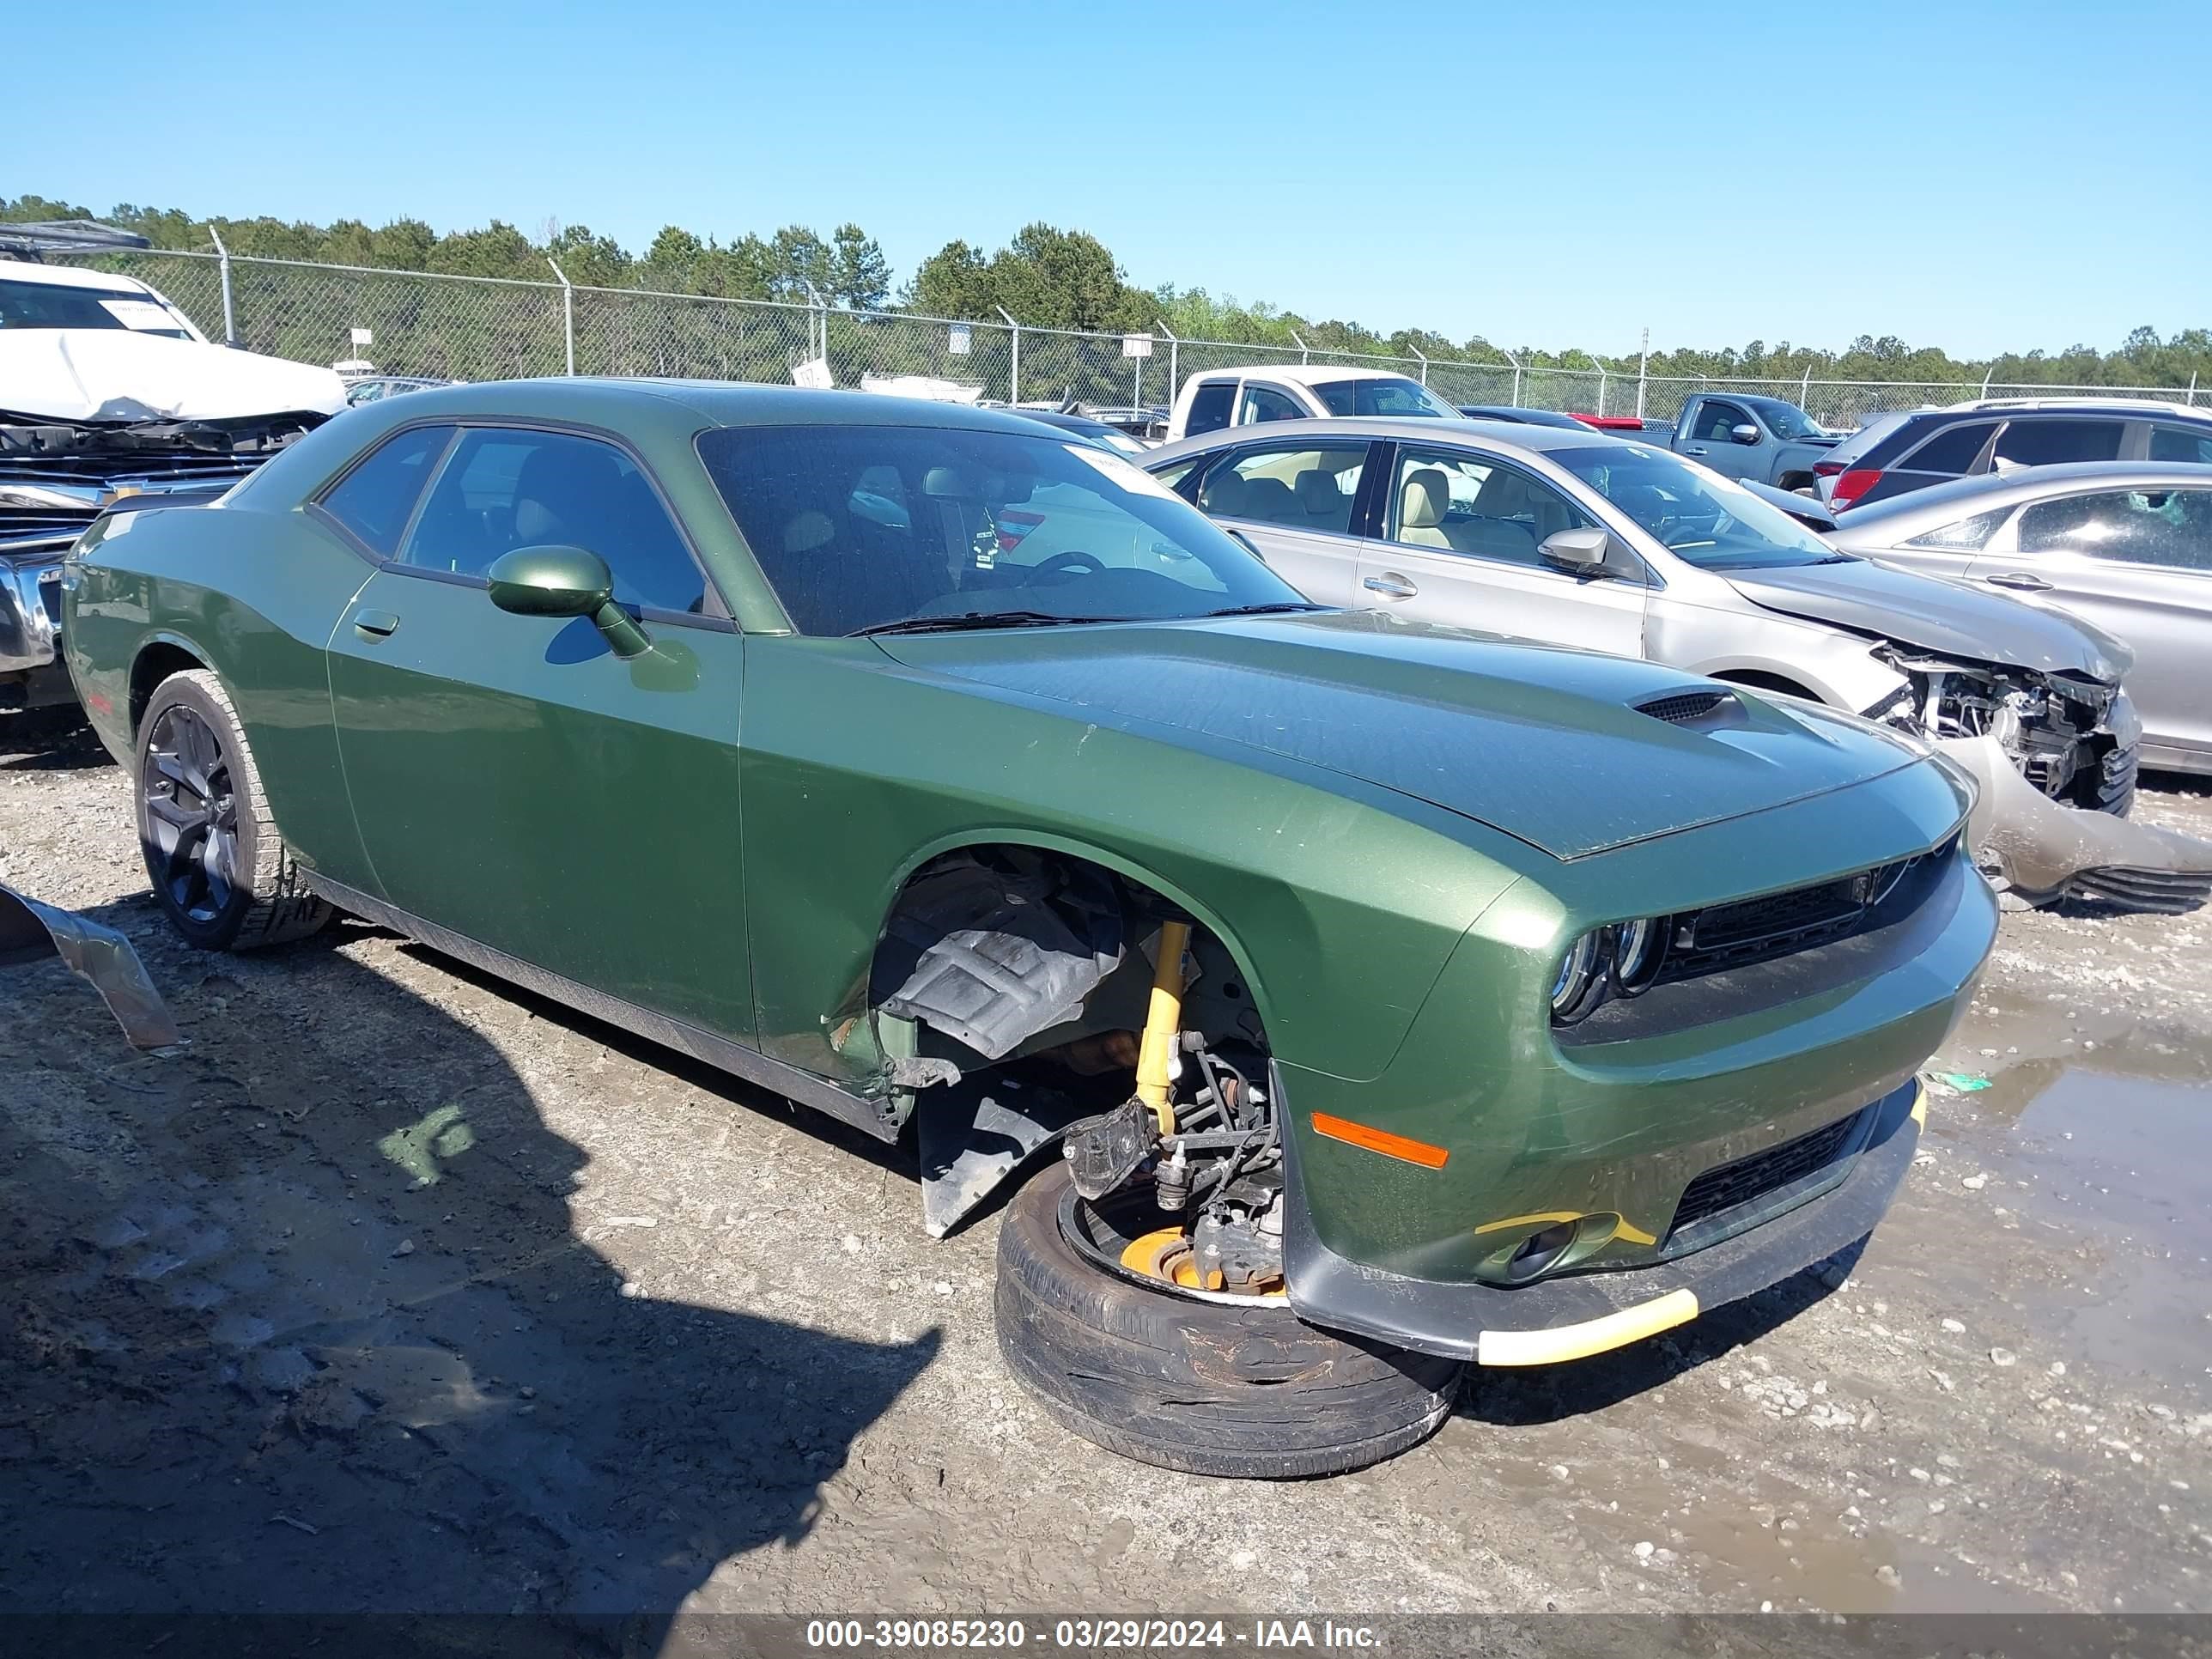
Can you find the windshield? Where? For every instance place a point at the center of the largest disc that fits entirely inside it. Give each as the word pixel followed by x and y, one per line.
pixel 56 304
pixel 861 526
pixel 1700 517
pixel 1386 394
pixel 1787 419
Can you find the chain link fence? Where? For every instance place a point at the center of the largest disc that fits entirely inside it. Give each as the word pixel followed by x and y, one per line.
pixel 478 328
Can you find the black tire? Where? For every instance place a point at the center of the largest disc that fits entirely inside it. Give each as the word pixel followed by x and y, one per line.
pixel 1205 1386
pixel 220 871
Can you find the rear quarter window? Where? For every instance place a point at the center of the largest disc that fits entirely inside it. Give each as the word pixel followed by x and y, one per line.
pixel 375 498
pixel 1963 537
pixel 1954 450
pixel 1209 407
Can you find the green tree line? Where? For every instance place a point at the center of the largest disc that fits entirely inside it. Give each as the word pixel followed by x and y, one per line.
pixel 1048 278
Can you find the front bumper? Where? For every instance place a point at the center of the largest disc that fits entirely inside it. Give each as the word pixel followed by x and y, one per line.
pixel 30 612
pixel 1577 1315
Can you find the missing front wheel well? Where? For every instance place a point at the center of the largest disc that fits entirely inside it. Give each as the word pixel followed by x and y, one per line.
pixel 1028 970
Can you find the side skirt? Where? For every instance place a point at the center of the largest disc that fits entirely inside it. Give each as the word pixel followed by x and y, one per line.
pixel 736 1058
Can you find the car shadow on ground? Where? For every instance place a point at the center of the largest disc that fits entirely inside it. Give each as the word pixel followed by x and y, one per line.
pixel 288 1325
pixel 657 1055
pixel 1513 1398
pixel 41 742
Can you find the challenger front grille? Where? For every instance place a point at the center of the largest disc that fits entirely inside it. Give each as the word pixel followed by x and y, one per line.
pixel 1732 1196
pixel 1775 924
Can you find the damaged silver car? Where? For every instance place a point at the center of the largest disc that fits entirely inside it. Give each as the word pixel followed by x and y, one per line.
pixel 1581 539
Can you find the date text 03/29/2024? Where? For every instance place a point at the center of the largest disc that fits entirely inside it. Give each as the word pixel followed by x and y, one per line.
pixel 894 1635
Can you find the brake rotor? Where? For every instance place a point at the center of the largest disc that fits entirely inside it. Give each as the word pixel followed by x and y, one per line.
pixel 1165 1255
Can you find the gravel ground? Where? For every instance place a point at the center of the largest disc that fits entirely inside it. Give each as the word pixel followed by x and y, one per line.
pixel 405 1290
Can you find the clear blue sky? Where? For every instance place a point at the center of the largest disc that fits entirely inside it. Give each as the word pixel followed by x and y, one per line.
pixel 1975 176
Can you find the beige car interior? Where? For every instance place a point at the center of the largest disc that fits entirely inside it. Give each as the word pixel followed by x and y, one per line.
pixel 1506 516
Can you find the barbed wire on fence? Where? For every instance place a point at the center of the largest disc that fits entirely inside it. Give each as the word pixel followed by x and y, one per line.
pixel 460 327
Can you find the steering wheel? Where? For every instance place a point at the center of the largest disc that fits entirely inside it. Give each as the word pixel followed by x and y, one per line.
pixel 1074 561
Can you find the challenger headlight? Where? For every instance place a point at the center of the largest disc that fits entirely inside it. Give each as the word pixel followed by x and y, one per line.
pixel 1622 959
pixel 1639 951
pixel 1580 984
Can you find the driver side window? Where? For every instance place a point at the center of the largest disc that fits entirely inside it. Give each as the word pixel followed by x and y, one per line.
pixel 1717 422
pixel 1267 403
pixel 504 488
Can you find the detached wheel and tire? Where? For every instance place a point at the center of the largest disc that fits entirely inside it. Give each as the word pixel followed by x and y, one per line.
pixel 219 868
pixel 1201 1382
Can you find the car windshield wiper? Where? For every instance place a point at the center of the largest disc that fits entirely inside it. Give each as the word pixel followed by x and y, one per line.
pixel 972 619
pixel 1271 608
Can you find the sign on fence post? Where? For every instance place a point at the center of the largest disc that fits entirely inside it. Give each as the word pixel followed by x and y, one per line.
pixel 1137 347
pixel 363 339
pixel 962 340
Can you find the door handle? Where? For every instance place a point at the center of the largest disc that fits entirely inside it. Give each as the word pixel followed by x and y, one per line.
pixel 374 624
pixel 2019 580
pixel 1694 449
pixel 1393 587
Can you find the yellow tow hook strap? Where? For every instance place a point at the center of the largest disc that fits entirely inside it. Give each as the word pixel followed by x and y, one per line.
pixel 1162 1023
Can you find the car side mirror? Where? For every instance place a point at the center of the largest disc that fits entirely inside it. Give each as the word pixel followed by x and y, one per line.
pixel 1580 552
pixel 1745 433
pixel 565 582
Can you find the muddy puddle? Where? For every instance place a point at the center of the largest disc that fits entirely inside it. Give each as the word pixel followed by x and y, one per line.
pixel 2094 1129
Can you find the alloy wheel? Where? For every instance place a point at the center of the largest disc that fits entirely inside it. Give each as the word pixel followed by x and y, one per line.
pixel 191 814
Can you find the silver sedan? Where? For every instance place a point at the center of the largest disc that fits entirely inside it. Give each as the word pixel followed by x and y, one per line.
pixel 1577 538
pixel 2127 544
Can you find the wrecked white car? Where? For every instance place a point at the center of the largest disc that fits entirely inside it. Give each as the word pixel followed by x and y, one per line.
pixel 107 391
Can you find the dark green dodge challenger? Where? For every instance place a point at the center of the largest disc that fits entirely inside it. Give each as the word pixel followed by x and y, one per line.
pixel 1395 997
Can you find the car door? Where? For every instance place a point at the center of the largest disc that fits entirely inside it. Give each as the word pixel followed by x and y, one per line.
pixel 517 782
pixel 1294 501
pixel 1459 545
pixel 2138 564
pixel 1712 441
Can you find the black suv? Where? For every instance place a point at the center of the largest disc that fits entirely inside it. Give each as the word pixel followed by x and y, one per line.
pixel 1896 454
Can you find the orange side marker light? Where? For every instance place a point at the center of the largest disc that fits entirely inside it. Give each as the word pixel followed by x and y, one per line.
pixel 1380 1141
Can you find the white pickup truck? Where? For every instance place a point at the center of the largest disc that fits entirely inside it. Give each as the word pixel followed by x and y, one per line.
pixel 1213 399
pixel 107 390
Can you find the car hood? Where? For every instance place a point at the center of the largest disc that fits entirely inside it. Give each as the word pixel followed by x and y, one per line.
pixel 1936 616
pixel 118 375
pixel 1546 745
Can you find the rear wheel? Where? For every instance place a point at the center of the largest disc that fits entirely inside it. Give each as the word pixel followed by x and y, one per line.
pixel 219 868
pixel 1092 1322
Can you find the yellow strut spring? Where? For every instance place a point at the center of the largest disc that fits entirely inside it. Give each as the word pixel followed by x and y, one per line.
pixel 1162 1023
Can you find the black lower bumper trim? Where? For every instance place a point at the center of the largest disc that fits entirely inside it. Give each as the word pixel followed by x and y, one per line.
pixel 1441 1317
